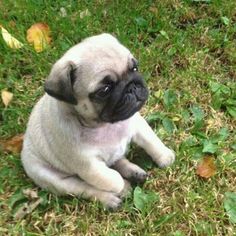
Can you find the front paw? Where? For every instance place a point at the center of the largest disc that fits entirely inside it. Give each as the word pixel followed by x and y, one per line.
pixel 109 200
pixel 138 177
pixel 166 158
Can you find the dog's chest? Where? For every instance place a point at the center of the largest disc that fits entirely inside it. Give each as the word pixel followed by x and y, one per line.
pixel 109 141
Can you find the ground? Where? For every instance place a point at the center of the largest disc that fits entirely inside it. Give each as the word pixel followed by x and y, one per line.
pixel 187 53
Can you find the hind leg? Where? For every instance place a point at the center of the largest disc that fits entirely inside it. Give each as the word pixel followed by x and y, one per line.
pixel 61 183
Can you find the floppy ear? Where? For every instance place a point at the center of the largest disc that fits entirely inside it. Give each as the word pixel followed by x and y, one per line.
pixel 60 82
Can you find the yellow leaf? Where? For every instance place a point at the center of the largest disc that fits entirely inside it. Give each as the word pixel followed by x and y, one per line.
pixel 13 144
pixel 176 118
pixel 10 40
pixel 39 35
pixel 206 168
pixel 6 97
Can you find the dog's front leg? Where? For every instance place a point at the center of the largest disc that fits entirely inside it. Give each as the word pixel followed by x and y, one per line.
pixel 145 137
pixel 99 175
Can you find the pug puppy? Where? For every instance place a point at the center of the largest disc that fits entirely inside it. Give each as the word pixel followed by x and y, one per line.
pixel 79 131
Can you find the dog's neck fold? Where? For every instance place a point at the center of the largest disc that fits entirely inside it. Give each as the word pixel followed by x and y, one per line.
pixel 68 110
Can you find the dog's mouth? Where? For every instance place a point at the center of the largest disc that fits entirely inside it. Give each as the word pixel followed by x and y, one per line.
pixel 131 100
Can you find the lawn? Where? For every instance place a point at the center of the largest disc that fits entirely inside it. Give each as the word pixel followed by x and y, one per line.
pixel 187 53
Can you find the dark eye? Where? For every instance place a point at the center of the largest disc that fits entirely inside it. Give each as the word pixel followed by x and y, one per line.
pixel 134 67
pixel 104 91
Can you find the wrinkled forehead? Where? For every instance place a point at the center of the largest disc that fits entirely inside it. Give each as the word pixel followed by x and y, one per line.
pixel 109 57
pixel 99 58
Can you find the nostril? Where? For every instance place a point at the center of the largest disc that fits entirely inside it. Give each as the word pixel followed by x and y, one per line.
pixel 131 88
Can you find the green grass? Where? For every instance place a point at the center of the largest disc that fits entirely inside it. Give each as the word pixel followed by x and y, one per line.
pixel 187 52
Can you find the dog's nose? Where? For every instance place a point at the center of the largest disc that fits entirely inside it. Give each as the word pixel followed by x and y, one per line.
pixel 138 89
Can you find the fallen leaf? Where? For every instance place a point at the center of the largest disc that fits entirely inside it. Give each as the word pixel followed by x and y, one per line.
pixel 153 9
pixel 206 168
pixel 104 12
pixel 13 144
pixel 31 194
pixel 84 13
pixel 27 208
pixel 63 12
pixel 39 35
pixel 10 40
pixel 6 97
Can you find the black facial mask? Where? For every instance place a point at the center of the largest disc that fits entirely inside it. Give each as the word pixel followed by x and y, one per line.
pixel 128 96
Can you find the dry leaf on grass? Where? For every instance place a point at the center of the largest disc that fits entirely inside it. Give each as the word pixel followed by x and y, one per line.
pixel 39 35
pixel 153 9
pixel 84 13
pixel 6 97
pixel 30 194
pixel 63 12
pixel 13 145
pixel 206 168
pixel 27 208
pixel 10 40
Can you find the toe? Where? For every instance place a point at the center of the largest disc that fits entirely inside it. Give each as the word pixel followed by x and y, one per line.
pixel 139 177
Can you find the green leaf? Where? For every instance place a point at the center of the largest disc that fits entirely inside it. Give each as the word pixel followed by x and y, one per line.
pixel 144 201
pixel 190 142
pixel 18 196
pixel 233 146
pixel 168 125
pixel 177 233
pixel 214 86
pixel 230 205
pixel 209 147
pixel 164 34
pixel 185 115
pixel 154 117
pixel 200 135
pixel 121 224
pixel 140 21
pixel 232 111
pixel 225 20
pixel 172 51
pixel 169 98
pixel 163 219
pixel 230 102
pixel 194 152
pixel 198 115
pixel 217 100
pixel 221 136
